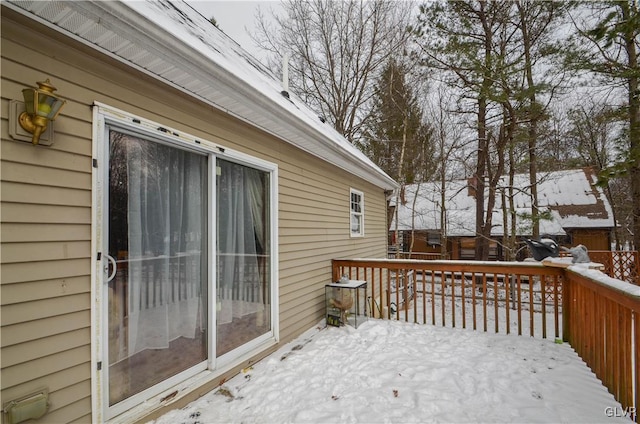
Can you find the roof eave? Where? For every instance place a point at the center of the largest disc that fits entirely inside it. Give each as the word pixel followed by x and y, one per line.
pixel 259 110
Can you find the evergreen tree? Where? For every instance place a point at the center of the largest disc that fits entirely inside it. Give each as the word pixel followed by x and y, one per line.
pixel 396 137
pixel 608 45
pixel 458 38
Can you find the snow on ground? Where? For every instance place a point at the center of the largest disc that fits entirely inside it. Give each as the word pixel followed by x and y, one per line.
pixel 397 372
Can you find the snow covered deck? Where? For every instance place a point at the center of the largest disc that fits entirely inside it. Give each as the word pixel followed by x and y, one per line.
pixel 596 314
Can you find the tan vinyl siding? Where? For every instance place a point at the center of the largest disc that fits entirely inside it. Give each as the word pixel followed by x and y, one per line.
pixel 314 228
pixel 45 250
pixel 37 329
pixel 46 213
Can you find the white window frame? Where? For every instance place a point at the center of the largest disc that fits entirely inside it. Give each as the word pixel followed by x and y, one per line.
pixel 359 215
pixel 139 405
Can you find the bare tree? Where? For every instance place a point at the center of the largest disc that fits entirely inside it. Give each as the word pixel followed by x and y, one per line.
pixel 449 146
pixel 336 50
pixel 593 129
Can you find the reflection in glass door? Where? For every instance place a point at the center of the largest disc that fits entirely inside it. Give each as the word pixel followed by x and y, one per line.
pixel 243 286
pixel 157 294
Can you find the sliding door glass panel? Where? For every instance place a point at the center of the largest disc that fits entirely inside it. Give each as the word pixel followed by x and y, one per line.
pixel 157 300
pixel 243 285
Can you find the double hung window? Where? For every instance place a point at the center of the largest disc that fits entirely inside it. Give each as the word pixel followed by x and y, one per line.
pixel 357 213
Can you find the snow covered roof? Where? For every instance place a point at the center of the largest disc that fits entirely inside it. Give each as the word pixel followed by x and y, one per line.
pixel 570 197
pixel 173 43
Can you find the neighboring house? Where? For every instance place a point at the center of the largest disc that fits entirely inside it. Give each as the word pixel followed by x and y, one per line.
pixel 576 212
pixel 183 222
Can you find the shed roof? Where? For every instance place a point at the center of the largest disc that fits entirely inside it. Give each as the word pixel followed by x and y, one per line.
pixel 175 44
pixel 570 196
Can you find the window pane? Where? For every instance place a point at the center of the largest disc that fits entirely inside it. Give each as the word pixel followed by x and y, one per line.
pixel 355 203
pixel 355 224
pixel 356 213
pixel 243 286
pixel 157 302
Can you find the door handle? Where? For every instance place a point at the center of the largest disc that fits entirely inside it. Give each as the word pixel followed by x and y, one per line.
pixel 114 265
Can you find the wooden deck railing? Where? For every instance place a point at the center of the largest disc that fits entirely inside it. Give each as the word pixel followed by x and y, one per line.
pixel 426 256
pixel 598 319
pixel 621 264
pixel 508 297
pixel 601 322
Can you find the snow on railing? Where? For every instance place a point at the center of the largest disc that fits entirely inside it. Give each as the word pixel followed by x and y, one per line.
pixel 621 264
pixel 601 322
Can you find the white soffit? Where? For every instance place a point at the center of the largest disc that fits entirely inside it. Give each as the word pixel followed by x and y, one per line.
pixel 176 45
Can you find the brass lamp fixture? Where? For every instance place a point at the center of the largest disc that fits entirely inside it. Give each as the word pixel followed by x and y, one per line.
pixel 41 106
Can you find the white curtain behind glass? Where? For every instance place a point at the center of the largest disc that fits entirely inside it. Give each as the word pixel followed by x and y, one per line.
pixel 166 230
pixel 241 241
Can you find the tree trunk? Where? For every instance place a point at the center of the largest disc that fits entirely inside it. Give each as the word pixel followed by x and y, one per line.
pixel 534 117
pixel 443 200
pixel 400 179
pixel 481 250
pixel 413 219
pixel 634 121
pixel 482 241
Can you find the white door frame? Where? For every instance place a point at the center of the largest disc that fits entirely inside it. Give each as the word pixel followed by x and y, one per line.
pixel 103 117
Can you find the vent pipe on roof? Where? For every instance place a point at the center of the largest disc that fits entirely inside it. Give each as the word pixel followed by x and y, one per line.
pixel 285 75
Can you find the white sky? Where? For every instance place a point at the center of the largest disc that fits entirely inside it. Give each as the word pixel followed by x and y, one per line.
pixel 236 17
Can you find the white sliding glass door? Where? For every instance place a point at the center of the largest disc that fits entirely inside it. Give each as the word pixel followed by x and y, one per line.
pixel 157 237
pixel 243 302
pixel 185 241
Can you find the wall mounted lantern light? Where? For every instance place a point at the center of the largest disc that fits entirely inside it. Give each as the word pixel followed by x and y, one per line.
pixel 41 106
